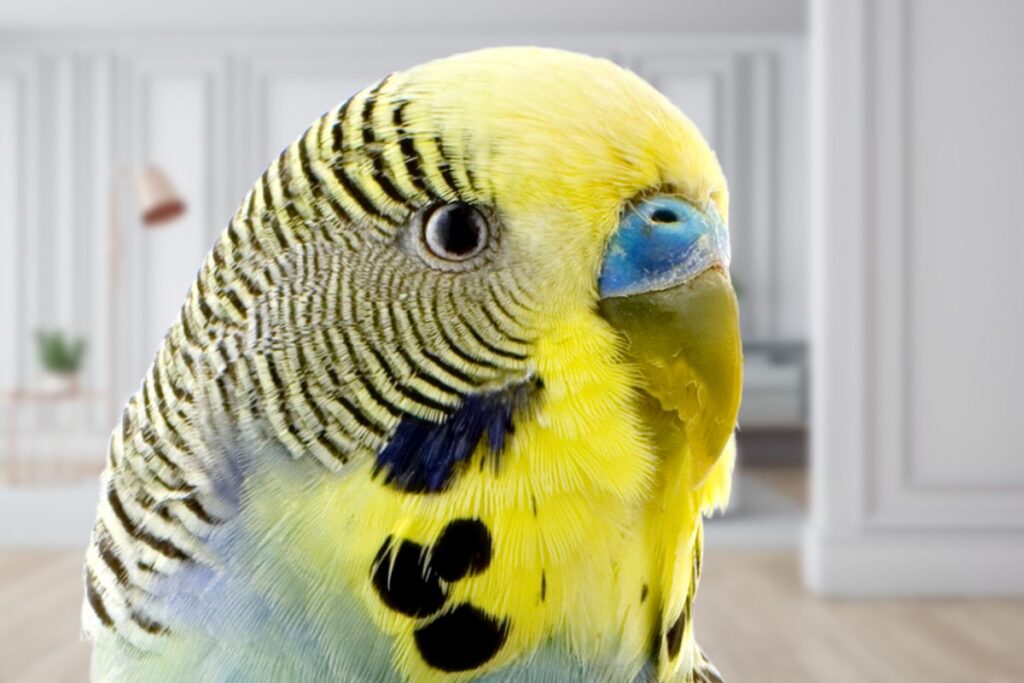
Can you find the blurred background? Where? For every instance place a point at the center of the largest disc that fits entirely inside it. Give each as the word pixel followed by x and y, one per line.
pixel 874 155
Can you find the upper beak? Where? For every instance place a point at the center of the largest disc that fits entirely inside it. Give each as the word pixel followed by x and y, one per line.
pixel 665 285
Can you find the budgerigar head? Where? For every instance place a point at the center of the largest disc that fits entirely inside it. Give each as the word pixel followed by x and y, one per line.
pixel 432 239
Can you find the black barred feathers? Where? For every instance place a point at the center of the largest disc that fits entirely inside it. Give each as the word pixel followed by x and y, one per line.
pixel 316 323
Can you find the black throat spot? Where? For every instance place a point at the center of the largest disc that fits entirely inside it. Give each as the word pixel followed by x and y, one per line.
pixel 464 548
pixel 403 580
pixel 462 639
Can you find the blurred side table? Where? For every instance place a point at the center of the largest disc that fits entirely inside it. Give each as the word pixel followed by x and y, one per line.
pixel 66 456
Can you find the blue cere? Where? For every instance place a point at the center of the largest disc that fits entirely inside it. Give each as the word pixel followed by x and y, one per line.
pixel 661 242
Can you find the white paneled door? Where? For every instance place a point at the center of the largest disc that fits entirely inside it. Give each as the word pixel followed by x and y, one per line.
pixel 918 469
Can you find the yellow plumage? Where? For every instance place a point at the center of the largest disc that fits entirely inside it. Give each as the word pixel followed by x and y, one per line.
pixel 594 505
pixel 614 514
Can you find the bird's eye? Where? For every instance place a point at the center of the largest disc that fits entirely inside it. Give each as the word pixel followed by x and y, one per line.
pixel 455 232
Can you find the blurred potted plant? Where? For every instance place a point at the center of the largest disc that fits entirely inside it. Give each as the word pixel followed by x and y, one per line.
pixel 62 357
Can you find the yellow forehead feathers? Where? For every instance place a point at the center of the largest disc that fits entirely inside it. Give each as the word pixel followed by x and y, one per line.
pixel 557 134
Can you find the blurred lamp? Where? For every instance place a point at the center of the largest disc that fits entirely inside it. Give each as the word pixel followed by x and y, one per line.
pixel 158 201
pixel 158 204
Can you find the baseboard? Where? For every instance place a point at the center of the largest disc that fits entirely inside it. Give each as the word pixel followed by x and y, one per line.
pixel 48 517
pixel 915 564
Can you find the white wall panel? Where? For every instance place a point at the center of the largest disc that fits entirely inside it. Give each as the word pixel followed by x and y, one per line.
pixel 964 242
pixel 917 460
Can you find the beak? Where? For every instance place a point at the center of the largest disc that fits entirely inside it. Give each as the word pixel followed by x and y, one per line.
pixel 665 285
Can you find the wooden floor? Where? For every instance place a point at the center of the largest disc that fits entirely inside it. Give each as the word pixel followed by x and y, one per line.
pixel 40 597
pixel 753 619
pixel 758 624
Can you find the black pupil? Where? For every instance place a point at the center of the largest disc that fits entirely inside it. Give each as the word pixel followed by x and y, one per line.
pixel 664 216
pixel 457 229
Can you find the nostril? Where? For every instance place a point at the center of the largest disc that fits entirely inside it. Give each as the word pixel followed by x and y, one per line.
pixel 664 216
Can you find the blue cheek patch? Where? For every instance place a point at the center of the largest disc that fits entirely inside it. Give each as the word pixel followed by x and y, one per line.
pixel 424 456
pixel 660 243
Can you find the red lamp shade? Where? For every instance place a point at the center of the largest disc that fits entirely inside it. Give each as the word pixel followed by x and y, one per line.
pixel 159 202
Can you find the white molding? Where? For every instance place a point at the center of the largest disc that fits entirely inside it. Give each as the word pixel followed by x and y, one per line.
pixel 336 49
pixel 838 195
pixel 12 198
pixel 763 211
pixel 915 564
pixel 101 132
pixel 61 179
pixel 36 166
pixel 57 516
pixel 317 16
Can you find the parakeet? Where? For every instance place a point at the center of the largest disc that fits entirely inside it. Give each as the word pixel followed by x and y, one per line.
pixel 445 402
